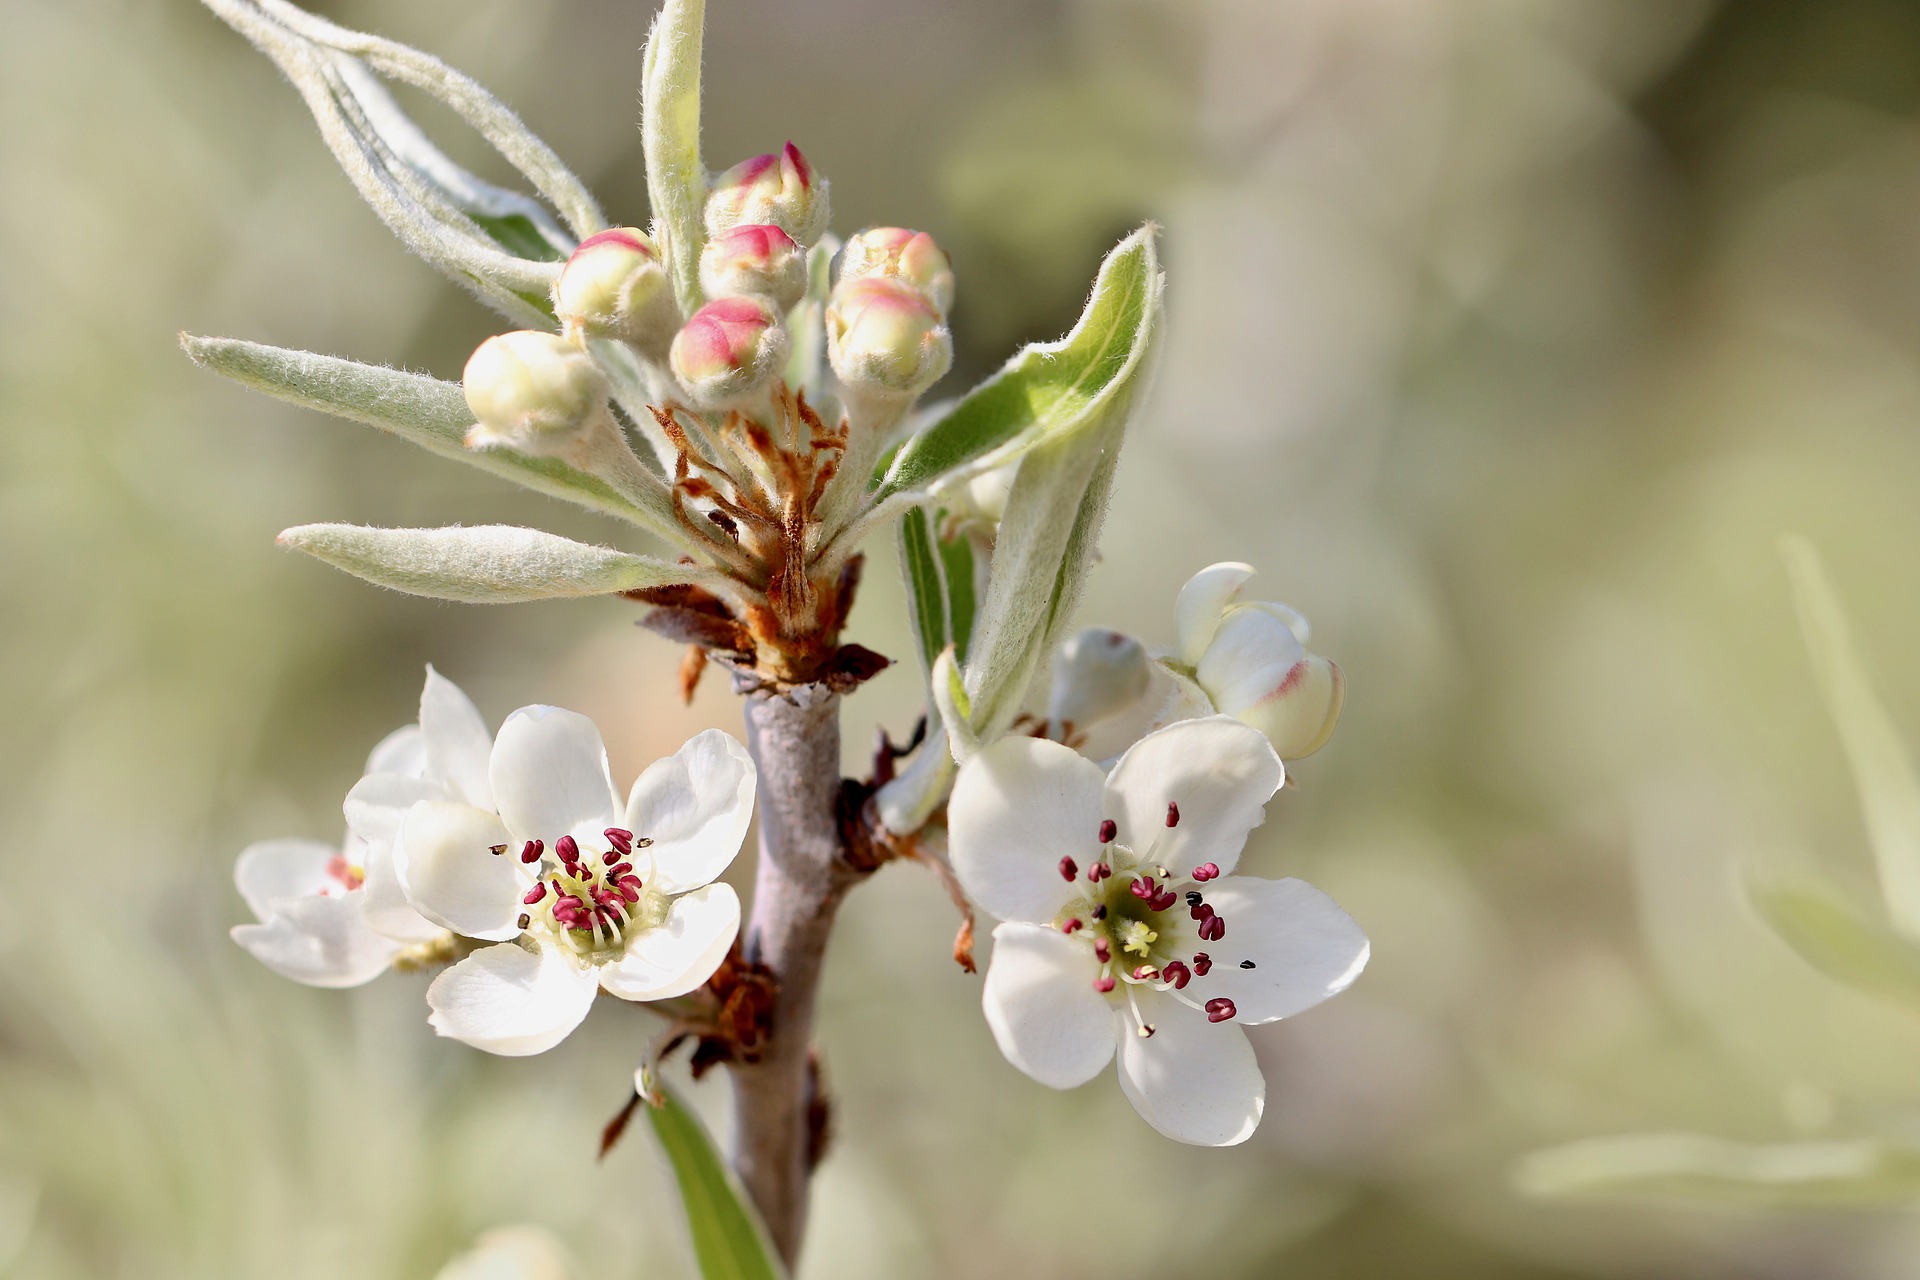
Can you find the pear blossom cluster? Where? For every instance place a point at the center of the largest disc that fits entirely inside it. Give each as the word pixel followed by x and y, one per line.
pixel 1125 933
pixel 458 838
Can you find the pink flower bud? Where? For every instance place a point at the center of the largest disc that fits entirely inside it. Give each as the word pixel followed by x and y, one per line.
pixel 886 336
pixel 896 253
pixel 729 349
pixel 533 391
pixel 779 189
pixel 1250 661
pixel 756 258
pixel 614 286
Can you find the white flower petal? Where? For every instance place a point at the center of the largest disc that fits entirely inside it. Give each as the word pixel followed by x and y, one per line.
pixel 1042 1008
pixel 1218 771
pixel 695 806
pixel 323 942
pixel 1251 656
pixel 1202 601
pixel 1018 807
pixel 445 866
pixel 456 739
pixel 379 801
pixel 1193 1080
pixel 1304 948
pixel 549 775
pixel 1296 621
pixel 270 870
pixel 384 903
pixel 403 752
pixel 511 1001
pixel 680 954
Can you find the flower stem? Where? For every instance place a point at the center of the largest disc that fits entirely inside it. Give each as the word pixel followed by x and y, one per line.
pixel 802 876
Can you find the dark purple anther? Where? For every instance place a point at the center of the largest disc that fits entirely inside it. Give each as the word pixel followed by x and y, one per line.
pixel 496 850
pixel 1219 1009
pixel 1200 911
pixel 1246 964
pixel 1108 830
pixel 1101 951
pixel 1173 814
pixel 1213 928
pixel 1068 868
pixel 1100 912
pixel 1201 963
pixel 568 848
pixel 621 840
pixel 532 850
pixel 524 920
pixel 534 894
pixel 1177 973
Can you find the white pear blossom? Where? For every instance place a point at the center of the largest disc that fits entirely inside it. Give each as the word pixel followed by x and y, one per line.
pixel 1248 660
pixel 581 892
pixel 1126 932
pixel 333 916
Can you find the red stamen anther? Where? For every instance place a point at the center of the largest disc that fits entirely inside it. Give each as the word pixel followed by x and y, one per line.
pixel 628 893
pixel 1101 950
pixel 1145 971
pixel 1173 814
pixel 1206 871
pixel 1068 868
pixel 1099 871
pixel 1073 925
pixel 524 920
pixel 1178 974
pixel 532 850
pixel 610 857
pixel 568 848
pixel 1213 928
pixel 1142 887
pixel 1219 1009
pixel 1201 963
pixel 1108 830
pixel 496 850
pixel 1200 911
pixel 1100 911
pixel 1162 900
pixel 536 893
pixel 1104 983
pixel 621 840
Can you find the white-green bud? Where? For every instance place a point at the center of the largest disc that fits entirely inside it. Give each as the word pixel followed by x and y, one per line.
pixel 781 190
pixel 614 286
pixel 885 336
pixel 896 253
pixel 533 391
pixel 755 258
pixel 1097 673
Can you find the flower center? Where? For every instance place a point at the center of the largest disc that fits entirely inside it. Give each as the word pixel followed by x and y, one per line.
pixel 588 900
pixel 1145 924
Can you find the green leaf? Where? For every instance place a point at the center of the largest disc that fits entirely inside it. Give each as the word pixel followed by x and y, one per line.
pixel 1829 934
pixel 1048 388
pixel 1699 1167
pixel 427 411
pixel 484 564
pixel 956 567
pixel 517 234
pixel 670 136
pixel 728 1239
pixel 926 594
pixel 1883 772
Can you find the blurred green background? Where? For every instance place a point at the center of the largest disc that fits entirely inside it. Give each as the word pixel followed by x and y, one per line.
pixel 1505 338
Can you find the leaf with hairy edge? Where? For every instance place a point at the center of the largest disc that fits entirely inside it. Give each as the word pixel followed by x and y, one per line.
pixel 956 568
pixel 1695 1166
pixel 728 1239
pixel 484 564
pixel 1833 937
pixel 1048 387
pixel 425 410
pixel 670 136
pixel 1882 770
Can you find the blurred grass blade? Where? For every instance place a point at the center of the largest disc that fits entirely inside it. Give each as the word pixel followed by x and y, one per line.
pixel 1882 769
pixel 670 135
pixel 1699 1167
pixel 1834 938
pixel 728 1239
pixel 483 564
pixel 1048 387
pixel 427 411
